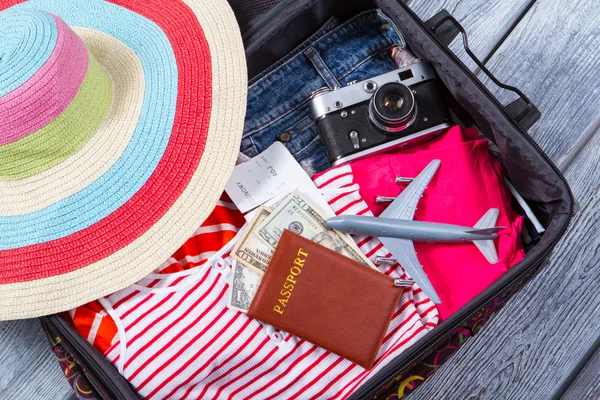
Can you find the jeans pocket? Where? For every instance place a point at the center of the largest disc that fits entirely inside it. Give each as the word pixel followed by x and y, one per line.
pixel 278 98
pixel 305 145
pixel 298 133
pixel 247 147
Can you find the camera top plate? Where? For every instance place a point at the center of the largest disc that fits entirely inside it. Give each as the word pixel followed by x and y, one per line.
pixel 336 100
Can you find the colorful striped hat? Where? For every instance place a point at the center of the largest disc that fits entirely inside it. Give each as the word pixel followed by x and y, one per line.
pixel 120 122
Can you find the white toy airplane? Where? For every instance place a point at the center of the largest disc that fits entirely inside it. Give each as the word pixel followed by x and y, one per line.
pixel 397 230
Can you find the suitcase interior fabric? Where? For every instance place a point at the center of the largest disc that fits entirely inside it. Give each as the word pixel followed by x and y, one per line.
pixel 534 176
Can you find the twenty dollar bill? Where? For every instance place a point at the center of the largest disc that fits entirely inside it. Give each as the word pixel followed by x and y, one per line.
pixel 250 249
pixel 301 217
pixel 243 284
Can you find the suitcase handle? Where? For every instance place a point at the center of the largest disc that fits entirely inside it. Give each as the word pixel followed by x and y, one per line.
pixel 522 109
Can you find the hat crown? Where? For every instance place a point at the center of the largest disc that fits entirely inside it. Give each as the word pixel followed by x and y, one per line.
pixel 50 87
pixel 154 166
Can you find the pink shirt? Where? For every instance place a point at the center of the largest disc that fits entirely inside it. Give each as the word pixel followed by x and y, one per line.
pixel 468 183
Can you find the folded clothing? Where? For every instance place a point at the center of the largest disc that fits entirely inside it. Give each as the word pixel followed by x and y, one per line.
pixel 468 183
pixel 171 335
pixel 98 327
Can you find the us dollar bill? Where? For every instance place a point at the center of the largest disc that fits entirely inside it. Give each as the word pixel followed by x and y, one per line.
pixel 243 283
pixel 301 217
pixel 250 249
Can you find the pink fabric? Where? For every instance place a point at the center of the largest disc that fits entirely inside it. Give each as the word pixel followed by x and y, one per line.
pixel 49 91
pixel 468 183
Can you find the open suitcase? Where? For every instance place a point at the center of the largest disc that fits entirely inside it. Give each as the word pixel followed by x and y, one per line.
pixel 270 36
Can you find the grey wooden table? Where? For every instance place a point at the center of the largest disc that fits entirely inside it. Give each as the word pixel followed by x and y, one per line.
pixel 544 343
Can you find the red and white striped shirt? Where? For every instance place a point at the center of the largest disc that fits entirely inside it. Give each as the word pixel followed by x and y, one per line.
pixel 177 338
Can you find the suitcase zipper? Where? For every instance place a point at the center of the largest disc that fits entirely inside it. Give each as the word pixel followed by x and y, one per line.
pixel 104 384
pixel 366 392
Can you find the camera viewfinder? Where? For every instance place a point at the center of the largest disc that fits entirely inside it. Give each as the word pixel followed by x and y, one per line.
pixel 406 74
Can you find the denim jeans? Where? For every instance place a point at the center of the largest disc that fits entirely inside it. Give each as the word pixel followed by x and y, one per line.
pixel 332 57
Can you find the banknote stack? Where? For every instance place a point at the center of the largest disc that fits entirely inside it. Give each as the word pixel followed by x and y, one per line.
pixel 257 243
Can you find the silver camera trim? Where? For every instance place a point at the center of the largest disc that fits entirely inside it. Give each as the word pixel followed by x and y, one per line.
pixel 325 103
pixel 410 140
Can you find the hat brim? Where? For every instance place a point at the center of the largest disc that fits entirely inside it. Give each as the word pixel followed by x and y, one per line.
pixel 131 241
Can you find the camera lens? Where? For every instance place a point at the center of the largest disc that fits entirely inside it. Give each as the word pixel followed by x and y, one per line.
pixel 392 108
pixel 392 102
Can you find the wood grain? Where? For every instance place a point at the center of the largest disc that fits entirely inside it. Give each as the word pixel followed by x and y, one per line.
pixel 486 22
pixel 29 368
pixel 37 375
pixel 553 56
pixel 587 384
pixel 529 348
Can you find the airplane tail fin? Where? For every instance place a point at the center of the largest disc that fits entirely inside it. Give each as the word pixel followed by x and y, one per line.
pixel 486 225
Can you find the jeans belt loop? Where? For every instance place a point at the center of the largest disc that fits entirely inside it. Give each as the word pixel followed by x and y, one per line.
pixel 322 68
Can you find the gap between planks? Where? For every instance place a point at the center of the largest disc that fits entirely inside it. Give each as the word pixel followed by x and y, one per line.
pixel 525 351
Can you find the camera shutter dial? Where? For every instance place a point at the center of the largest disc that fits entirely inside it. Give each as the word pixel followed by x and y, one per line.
pixel 370 86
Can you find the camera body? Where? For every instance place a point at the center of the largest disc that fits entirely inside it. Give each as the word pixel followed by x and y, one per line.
pixel 401 108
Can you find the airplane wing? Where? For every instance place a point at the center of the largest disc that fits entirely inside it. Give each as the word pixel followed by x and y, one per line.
pixel 405 205
pixel 404 252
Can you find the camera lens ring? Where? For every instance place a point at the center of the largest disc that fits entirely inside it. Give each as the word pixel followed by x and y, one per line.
pixel 392 108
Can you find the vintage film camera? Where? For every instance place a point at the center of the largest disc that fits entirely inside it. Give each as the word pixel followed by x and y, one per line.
pixel 397 109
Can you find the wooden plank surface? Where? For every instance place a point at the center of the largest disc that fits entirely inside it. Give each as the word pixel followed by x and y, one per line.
pixel 554 66
pixel 486 22
pixel 530 347
pixel 528 350
pixel 553 57
pixel 29 368
pixel 587 384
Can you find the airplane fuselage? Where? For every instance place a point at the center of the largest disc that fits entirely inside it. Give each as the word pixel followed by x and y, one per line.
pixel 407 229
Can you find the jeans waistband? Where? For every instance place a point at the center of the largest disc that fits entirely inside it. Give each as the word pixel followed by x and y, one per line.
pixel 332 52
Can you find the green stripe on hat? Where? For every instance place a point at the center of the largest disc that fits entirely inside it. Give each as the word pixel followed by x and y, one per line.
pixel 67 133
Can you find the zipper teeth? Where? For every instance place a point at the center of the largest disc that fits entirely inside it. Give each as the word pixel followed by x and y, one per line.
pixel 537 147
pixel 82 364
pixel 436 342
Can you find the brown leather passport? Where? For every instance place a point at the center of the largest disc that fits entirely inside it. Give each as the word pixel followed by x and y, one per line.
pixel 326 298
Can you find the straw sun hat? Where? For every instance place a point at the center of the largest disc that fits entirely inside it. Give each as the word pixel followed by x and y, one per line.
pixel 120 122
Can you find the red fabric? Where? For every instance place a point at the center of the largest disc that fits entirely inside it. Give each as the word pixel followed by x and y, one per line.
pixel 93 324
pixel 216 231
pixel 468 183
pixel 173 173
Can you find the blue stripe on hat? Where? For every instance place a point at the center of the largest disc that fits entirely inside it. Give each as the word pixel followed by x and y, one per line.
pixel 28 39
pixel 149 140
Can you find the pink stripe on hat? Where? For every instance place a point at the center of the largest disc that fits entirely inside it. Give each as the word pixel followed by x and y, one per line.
pixel 49 91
